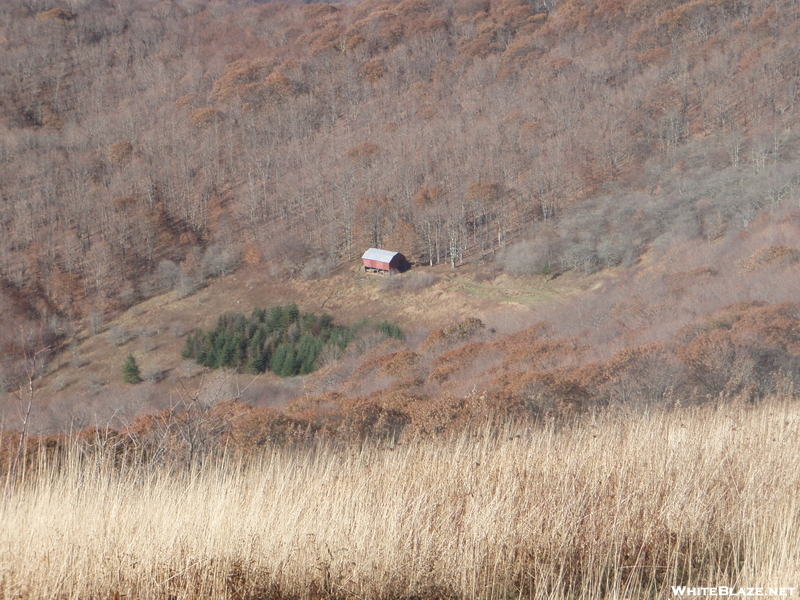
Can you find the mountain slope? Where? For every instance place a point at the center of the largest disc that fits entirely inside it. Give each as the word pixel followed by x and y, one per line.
pixel 647 149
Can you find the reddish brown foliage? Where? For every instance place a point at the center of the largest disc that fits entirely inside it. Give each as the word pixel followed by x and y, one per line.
pixel 59 14
pixel 314 11
pixel 364 150
pixel 452 333
pixel 373 70
pixel 678 282
pixel 780 255
pixel 119 152
pixel 204 117
pixel 448 363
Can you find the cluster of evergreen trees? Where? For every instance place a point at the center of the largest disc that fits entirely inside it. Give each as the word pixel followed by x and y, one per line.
pixel 280 339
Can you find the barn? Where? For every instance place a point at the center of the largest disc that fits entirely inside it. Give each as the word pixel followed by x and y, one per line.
pixel 384 261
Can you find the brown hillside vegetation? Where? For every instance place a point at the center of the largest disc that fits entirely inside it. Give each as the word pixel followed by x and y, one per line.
pixel 148 147
pixel 592 348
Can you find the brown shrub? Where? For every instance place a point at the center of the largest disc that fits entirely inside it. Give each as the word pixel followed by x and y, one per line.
pixel 541 354
pixel 373 69
pixel 352 42
pixel 408 385
pixel 259 427
pixel 480 47
pixel 600 373
pixel 394 364
pixel 324 40
pixel 484 192
pixel 314 11
pixel 654 57
pixel 235 75
pixel 559 64
pixel 65 290
pixel 120 152
pixel 398 363
pixel 124 203
pixel 57 14
pixel 678 283
pixel 32 454
pixel 370 420
pixel 428 196
pixel 541 393
pixel 711 358
pixel 413 7
pixel 452 333
pixel 279 85
pixel 254 95
pixel 456 359
pixel 774 255
pixel 251 255
pixel 352 419
pixel 463 329
pixel 191 100
pixel 530 334
pixel 203 117
pixel 522 51
pixel 364 150
pixel 743 349
pixel 51 119
pixel 470 8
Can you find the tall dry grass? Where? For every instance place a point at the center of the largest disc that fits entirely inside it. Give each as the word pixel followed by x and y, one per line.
pixel 623 505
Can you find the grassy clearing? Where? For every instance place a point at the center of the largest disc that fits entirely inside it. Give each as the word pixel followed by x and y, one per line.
pixel 523 295
pixel 625 505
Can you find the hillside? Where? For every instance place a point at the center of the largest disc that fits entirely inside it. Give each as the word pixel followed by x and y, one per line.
pixel 476 341
pixel 82 386
pixel 609 187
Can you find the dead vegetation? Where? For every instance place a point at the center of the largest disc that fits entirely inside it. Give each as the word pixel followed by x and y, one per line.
pixel 619 504
pixel 621 191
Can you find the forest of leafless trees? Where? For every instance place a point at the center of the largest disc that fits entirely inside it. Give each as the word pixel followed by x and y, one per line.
pixel 151 145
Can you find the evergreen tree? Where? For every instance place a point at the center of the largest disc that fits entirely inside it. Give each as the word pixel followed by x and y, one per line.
pixel 130 370
pixel 278 359
pixel 257 352
pixel 289 365
pixel 257 363
pixel 307 350
pixel 277 320
pixel 309 322
pixel 390 329
pixel 189 350
pixel 228 353
pixel 282 339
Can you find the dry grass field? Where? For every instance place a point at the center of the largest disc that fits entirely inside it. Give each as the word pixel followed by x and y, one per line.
pixel 619 505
